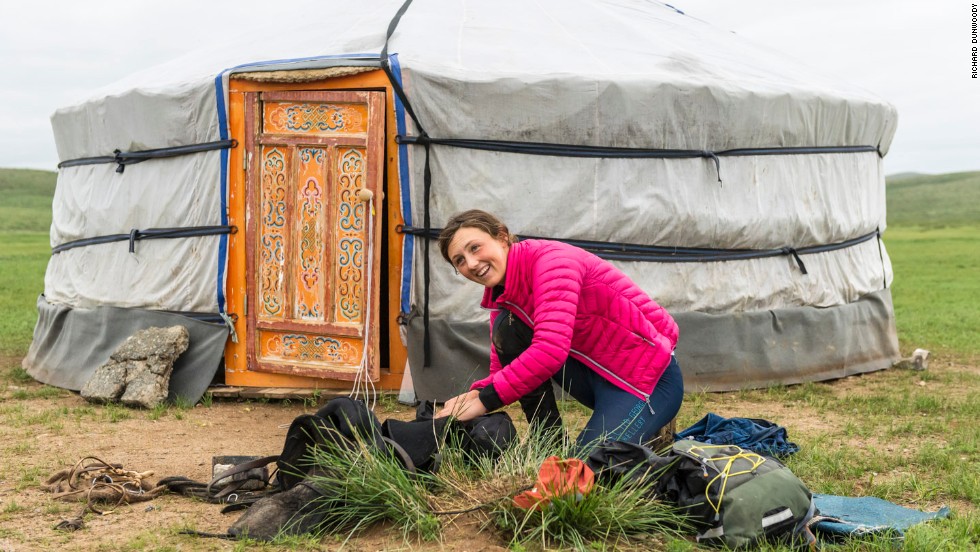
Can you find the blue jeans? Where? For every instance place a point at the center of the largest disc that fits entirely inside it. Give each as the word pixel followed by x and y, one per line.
pixel 616 414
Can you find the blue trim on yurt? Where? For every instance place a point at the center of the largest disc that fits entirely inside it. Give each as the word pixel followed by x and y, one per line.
pixel 404 181
pixel 299 60
pixel 222 239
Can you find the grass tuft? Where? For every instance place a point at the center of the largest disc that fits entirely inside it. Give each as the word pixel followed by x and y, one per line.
pixel 115 413
pixel 17 374
pixel 610 515
pixel 366 487
pixel 607 516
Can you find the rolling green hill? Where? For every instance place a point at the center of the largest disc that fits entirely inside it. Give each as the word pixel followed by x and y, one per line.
pixel 903 175
pixel 25 200
pixel 933 201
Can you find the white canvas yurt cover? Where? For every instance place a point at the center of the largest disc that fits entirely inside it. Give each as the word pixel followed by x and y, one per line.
pixel 743 191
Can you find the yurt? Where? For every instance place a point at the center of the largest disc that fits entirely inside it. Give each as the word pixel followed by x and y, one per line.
pixel 278 196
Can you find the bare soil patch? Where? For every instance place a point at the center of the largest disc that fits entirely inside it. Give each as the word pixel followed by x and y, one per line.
pixel 48 430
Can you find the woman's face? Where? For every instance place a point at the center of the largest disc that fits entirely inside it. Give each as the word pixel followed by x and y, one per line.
pixel 479 256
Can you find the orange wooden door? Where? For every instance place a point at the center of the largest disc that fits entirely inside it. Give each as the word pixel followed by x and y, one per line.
pixel 314 234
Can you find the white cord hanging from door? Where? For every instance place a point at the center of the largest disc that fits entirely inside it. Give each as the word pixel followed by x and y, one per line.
pixel 362 379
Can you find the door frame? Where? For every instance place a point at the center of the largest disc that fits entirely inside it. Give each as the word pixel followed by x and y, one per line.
pixel 237 372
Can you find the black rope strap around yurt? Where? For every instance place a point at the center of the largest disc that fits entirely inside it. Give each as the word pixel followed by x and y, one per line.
pixel 386 66
pixel 212 317
pixel 572 150
pixel 662 254
pixel 881 255
pixel 135 235
pixel 426 178
pixel 123 158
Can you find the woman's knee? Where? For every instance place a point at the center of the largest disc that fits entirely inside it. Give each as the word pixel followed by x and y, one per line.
pixel 669 391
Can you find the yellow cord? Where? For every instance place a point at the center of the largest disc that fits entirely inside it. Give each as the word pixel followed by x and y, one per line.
pixel 726 473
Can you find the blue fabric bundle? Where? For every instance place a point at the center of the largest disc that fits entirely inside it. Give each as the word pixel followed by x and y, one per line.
pixel 842 516
pixel 761 436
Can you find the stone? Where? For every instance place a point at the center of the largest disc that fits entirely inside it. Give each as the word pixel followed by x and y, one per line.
pixel 107 384
pixel 918 361
pixel 138 371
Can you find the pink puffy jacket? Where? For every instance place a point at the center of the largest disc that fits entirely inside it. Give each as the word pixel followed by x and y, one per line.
pixel 580 306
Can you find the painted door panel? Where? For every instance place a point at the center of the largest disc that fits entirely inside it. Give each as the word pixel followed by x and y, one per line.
pixel 314 171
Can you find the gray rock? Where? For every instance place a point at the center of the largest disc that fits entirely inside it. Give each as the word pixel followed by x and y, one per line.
pixel 144 387
pixel 107 384
pixel 153 342
pixel 138 372
pixel 918 361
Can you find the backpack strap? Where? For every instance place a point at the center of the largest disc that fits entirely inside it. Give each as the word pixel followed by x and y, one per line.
pixel 238 468
pixel 401 455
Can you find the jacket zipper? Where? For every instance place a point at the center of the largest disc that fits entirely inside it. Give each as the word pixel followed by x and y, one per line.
pixel 527 319
pixel 610 373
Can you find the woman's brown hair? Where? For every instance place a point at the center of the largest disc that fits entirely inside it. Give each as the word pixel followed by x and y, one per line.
pixel 474 218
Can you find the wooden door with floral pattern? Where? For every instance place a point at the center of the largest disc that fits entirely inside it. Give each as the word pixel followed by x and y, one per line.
pixel 314 231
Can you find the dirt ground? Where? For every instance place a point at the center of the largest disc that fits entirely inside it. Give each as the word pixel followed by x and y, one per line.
pixel 45 430
pixel 49 433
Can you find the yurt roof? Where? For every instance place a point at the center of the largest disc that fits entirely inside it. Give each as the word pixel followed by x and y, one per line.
pixel 644 69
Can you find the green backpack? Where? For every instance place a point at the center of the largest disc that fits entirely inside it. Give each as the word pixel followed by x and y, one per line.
pixel 737 497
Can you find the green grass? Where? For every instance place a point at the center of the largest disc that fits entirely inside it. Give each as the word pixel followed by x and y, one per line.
pixel 936 288
pixel 363 487
pixel 25 219
pixel 612 516
pixel 933 239
pixel 23 256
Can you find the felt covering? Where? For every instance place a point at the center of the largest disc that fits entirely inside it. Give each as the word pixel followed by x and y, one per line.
pixel 716 352
pixel 71 343
pixel 612 74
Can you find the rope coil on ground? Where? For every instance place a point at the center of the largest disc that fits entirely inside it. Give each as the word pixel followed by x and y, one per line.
pixel 98 483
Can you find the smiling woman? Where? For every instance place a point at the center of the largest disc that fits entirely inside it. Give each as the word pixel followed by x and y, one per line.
pixel 561 314
pixel 478 246
pixel 479 256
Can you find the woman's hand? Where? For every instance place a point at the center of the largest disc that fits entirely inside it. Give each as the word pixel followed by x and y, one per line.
pixel 464 407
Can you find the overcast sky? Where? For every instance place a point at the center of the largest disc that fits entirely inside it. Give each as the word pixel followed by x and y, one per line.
pixel 914 54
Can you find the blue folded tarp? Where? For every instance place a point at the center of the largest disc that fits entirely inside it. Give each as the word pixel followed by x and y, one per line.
pixel 842 516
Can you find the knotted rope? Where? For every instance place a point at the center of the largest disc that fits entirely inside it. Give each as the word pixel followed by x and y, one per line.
pixel 98 483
